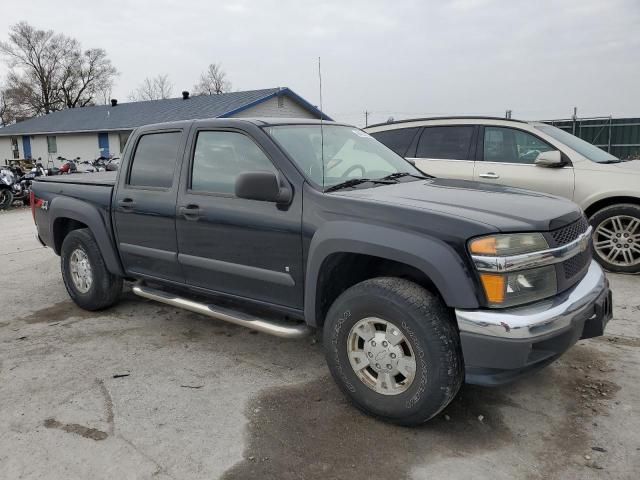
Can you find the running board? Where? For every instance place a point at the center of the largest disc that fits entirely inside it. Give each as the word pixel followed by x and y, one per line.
pixel 279 328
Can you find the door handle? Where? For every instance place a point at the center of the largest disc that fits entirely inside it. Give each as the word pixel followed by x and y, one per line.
pixel 190 212
pixel 126 203
pixel 489 175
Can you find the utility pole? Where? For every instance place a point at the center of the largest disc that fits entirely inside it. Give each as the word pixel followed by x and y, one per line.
pixel 575 118
pixel 507 114
pixel 366 118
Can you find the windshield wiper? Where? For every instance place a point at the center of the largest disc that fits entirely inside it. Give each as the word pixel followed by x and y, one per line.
pixel 353 182
pixel 396 175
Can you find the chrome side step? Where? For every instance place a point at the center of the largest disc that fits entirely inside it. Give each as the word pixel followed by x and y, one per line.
pixel 279 328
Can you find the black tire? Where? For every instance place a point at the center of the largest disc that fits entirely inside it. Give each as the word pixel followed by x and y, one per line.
pixel 604 217
pixel 105 287
pixel 6 198
pixel 429 327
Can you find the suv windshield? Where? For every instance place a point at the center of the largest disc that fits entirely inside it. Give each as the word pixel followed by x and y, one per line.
pixel 349 154
pixel 585 149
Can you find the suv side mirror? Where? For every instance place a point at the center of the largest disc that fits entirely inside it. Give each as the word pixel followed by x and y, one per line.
pixel 263 186
pixel 551 158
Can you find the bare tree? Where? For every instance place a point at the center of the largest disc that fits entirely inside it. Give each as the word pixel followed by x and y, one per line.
pixel 48 71
pixel 6 112
pixel 156 88
pixel 213 81
pixel 86 77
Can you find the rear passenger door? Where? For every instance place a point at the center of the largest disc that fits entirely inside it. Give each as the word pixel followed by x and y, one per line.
pixel 446 151
pixel 145 205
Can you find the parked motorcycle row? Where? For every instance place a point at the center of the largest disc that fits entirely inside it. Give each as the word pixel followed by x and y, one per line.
pixel 15 183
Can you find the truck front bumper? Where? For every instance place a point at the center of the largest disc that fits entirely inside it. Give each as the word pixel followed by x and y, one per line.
pixel 499 346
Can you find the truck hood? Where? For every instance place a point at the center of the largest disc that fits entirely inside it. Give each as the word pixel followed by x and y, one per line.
pixel 506 209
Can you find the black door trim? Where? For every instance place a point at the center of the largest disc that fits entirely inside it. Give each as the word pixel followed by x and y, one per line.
pixel 255 273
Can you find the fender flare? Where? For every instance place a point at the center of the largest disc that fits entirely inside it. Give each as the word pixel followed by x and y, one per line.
pixel 437 260
pixel 94 219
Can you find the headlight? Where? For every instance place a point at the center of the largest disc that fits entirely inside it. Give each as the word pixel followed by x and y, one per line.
pixel 503 245
pixel 512 287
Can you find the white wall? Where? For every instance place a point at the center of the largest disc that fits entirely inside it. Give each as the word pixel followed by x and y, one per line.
pixel 270 108
pixel 5 149
pixel 83 145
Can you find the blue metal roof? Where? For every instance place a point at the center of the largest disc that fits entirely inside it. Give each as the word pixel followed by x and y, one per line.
pixel 126 116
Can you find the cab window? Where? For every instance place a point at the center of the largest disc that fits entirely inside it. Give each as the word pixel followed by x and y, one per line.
pixel 220 157
pixel 448 143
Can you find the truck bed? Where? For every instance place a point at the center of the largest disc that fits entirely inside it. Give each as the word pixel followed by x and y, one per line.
pixel 96 178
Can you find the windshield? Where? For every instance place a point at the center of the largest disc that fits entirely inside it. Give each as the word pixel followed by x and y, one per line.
pixel 585 149
pixel 349 153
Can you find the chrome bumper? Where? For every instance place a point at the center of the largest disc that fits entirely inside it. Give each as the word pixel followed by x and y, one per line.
pixel 541 318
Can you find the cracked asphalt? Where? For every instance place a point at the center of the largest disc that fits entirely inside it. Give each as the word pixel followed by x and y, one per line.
pixel 146 391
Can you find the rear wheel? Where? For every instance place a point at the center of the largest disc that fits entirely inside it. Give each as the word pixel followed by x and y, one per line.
pixel 6 198
pixel 392 348
pixel 90 285
pixel 616 237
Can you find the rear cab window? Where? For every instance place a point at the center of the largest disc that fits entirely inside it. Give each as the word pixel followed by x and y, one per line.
pixel 446 142
pixel 154 160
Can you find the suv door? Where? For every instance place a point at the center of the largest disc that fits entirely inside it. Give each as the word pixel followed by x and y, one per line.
pixel 145 205
pixel 446 151
pixel 508 156
pixel 231 245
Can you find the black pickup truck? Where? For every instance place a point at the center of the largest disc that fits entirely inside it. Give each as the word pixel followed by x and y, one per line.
pixel 286 226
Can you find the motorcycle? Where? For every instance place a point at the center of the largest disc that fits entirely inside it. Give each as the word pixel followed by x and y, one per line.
pixel 68 166
pixel 11 187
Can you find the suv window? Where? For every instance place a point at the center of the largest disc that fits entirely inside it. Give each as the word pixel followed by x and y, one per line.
pixel 220 157
pixel 452 143
pixel 155 160
pixel 512 146
pixel 397 140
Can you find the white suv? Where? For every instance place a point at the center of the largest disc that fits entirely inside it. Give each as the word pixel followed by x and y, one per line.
pixel 535 156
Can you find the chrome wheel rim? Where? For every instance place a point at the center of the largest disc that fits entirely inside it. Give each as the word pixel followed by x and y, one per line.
pixel 80 269
pixel 381 356
pixel 617 240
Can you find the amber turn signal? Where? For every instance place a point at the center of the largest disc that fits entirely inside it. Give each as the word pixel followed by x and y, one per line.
pixel 484 246
pixel 493 287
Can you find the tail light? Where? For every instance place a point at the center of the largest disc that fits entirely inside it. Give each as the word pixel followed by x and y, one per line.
pixel 34 202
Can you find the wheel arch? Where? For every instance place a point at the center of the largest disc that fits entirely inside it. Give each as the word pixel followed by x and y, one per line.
pixel 608 202
pixel 339 258
pixel 68 214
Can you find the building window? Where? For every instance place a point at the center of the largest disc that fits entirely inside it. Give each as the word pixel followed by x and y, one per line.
pixel 14 147
pixel 52 145
pixel 123 140
pixel 281 101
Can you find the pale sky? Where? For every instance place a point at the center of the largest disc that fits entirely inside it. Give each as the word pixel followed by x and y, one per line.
pixel 393 58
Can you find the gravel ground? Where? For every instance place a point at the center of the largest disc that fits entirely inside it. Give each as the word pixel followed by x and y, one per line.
pixel 147 391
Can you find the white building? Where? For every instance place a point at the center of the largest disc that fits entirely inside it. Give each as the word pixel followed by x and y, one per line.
pixel 102 130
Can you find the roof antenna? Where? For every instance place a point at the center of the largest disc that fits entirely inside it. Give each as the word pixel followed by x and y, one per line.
pixel 321 123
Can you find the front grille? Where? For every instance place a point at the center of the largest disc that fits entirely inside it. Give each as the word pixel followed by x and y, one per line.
pixel 568 234
pixel 571 271
pixel 575 264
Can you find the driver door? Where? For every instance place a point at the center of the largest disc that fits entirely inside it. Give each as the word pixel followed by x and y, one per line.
pixel 508 158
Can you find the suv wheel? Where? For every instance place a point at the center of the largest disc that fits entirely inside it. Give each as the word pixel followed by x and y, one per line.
pixel 90 285
pixel 393 350
pixel 616 237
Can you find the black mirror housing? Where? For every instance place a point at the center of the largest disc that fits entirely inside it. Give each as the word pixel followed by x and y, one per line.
pixel 262 186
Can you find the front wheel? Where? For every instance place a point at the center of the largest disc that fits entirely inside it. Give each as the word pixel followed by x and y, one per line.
pixel 616 237
pixel 90 285
pixel 393 350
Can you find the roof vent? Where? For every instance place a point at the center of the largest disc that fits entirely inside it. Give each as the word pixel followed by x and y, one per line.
pixel 114 102
pixel 185 95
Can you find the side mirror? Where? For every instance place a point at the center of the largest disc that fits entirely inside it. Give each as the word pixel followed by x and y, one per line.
pixel 551 158
pixel 411 161
pixel 263 186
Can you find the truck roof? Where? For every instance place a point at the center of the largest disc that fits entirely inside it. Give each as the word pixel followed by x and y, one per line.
pixel 259 121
